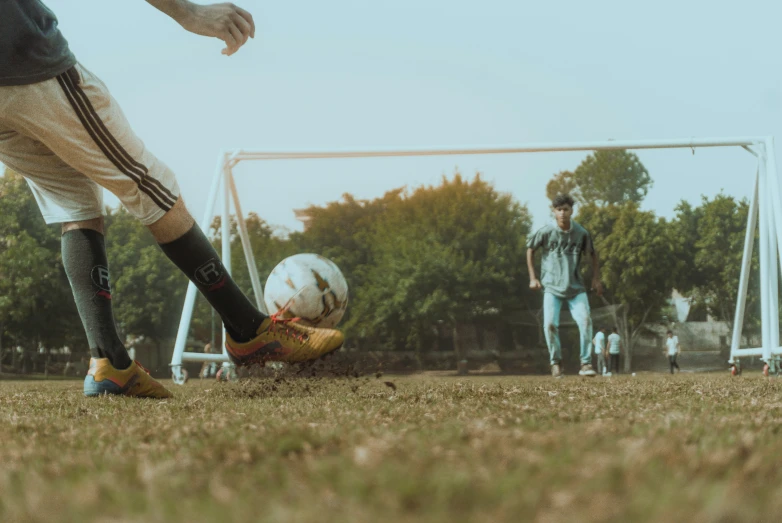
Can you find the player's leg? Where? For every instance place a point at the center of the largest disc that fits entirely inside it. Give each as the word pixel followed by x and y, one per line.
pixel 252 336
pixel 185 244
pixel 81 123
pixel 86 265
pixel 579 309
pixel 65 196
pixel 552 307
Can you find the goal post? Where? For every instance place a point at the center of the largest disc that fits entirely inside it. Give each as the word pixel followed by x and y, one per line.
pixel 765 213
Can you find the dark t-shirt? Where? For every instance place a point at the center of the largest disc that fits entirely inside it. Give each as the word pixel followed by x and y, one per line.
pixel 32 49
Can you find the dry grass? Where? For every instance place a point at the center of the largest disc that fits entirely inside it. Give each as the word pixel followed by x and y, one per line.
pixel 438 448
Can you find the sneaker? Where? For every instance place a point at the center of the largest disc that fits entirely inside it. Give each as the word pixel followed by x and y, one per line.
pixel 103 378
pixel 587 370
pixel 556 370
pixel 284 339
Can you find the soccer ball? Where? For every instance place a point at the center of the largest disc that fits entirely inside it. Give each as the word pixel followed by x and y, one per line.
pixel 307 286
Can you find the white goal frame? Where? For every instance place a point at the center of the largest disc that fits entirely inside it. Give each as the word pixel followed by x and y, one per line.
pixel 765 211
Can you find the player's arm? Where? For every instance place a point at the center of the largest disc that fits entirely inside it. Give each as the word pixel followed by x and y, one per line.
pixel 534 282
pixel 231 24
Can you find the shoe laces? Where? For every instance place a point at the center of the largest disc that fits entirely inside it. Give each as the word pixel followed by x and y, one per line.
pixel 288 327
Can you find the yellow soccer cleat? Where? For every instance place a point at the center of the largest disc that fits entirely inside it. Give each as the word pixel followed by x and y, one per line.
pixel 284 339
pixel 103 378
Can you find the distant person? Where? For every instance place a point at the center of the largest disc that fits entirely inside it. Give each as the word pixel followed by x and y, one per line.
pixel 601 351
pixel 62 130
pixel 672 349
pixel 614 350
pixel 208 368
pixel 563 242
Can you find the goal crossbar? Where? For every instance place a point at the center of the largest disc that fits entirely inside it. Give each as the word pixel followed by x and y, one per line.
pixel 765 212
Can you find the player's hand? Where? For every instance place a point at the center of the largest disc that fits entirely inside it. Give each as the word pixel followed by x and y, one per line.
pixel 535 285
pixel 231 24
pixel 597 286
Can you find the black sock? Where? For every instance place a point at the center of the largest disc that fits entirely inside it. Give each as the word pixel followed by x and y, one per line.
pixel 196 257
pixel 84 259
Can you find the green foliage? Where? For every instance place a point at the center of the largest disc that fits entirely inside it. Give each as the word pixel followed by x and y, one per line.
pixel 343 231
pixel 604 178
pixel 33 285
pixel 563 182
pixel 709 241
pixel 447 254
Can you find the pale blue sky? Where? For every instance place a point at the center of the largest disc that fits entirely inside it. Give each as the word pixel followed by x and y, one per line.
pixel 429 73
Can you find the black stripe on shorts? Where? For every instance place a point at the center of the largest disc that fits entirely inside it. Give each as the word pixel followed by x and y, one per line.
pixel 111 148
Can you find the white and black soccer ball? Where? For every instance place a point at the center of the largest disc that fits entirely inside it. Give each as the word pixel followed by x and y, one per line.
pixel 307 286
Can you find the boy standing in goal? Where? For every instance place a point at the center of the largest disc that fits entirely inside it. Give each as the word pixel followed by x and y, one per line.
pixel 62 130
pixel 563 243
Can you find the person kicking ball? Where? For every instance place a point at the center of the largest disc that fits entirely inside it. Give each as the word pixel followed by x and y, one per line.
pixel 62 130
pixel 563 244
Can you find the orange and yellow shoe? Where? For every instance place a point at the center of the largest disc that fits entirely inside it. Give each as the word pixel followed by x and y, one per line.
pixel 103 378
pixel 284 339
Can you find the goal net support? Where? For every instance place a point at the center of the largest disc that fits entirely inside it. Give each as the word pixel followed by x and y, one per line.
pixel 765 213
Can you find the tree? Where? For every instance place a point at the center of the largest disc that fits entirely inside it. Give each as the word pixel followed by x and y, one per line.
pixel 638 264
pixel 449 254
pixel 604 178
pixel 612 177
pixel 34 290
pixel 709 241
pixel 342 231
pixel 564 182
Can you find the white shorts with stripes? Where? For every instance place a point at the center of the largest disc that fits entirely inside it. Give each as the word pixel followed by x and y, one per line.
pixel 68 137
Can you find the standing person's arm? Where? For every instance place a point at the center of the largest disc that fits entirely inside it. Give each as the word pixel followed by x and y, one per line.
pixel 534 282
pixel 231 24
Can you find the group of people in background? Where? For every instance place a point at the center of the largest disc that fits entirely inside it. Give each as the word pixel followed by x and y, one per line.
pixel 608 349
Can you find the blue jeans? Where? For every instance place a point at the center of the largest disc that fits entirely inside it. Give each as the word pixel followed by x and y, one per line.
pixel 579 309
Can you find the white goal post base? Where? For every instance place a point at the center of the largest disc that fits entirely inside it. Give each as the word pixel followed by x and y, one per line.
pixel 766 205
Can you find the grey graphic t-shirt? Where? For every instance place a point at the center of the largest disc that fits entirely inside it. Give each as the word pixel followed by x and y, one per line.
pixel 32 49
pixel 562 252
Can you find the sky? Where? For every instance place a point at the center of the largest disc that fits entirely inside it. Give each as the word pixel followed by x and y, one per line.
pixel 430 73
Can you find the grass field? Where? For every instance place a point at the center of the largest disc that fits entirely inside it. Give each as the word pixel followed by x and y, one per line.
pixel 437 448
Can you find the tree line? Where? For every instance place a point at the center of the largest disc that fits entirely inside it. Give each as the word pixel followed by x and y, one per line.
pixel 417 261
